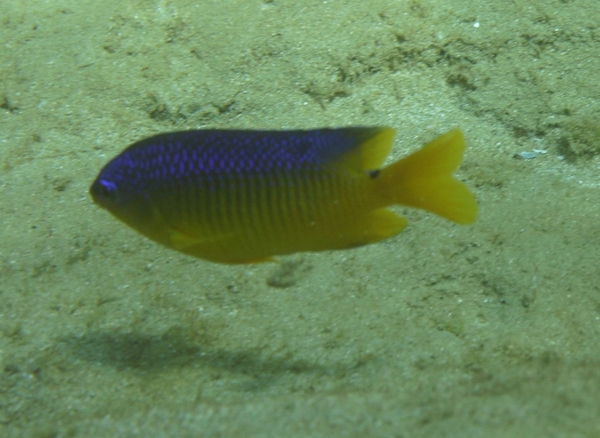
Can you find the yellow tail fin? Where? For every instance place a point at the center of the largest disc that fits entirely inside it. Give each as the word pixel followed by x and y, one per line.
pixel 424 180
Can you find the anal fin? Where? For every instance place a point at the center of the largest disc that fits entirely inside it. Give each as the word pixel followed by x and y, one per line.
pixel 375 226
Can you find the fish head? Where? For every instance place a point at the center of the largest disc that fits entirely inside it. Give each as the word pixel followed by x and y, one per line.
pixel 119 189
pixel 106 193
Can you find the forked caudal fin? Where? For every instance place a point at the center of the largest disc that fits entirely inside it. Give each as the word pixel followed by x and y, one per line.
pixel 424 180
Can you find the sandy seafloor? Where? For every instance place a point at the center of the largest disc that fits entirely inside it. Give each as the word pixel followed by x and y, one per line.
pixel 486 330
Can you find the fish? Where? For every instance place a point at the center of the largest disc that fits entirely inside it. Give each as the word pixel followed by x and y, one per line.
pixel 246 196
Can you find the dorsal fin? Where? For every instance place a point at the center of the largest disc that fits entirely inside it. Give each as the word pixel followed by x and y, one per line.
pixel 372 147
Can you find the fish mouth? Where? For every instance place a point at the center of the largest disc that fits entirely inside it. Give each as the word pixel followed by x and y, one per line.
pixel 103 192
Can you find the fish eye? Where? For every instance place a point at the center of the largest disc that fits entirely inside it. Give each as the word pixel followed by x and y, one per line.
pixel 105 189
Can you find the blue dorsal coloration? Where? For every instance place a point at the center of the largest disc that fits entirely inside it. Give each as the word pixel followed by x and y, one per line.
pixel 249 151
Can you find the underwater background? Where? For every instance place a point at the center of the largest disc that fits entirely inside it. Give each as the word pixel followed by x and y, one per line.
pixel 486 330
